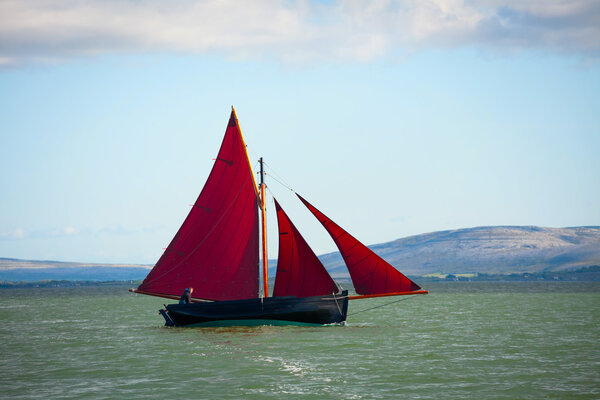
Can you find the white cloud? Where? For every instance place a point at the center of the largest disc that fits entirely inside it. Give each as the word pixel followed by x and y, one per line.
pixel 291 31
pixel 69 230
pixel 18 233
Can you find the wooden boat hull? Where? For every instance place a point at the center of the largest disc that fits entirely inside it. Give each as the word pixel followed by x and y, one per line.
pixel 315 310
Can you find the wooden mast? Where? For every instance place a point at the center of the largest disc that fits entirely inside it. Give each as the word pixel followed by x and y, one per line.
pixel 263 214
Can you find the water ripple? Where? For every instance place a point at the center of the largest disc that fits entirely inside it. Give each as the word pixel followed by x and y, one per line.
pixel 500 342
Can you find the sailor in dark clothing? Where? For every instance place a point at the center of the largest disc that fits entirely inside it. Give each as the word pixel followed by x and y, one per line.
pixel 186 297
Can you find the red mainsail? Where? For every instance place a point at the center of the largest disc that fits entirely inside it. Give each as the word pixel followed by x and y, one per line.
pixel 215 251
pixel 299 272
pixel 370 273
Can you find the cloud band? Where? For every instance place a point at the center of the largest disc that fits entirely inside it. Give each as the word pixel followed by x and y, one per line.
pixel 291 31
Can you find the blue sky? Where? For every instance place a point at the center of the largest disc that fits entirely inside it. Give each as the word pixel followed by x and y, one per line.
pixel 393 118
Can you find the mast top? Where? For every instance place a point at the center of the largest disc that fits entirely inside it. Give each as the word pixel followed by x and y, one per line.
pixel 262 172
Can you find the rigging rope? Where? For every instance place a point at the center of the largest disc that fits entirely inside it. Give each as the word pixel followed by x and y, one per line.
pixel 269 190
pixel 381 305
pixel 275 177
pixel 337 304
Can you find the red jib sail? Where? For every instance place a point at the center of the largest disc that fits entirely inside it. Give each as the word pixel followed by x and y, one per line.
pixel 216 249
pixel 299 272
pixel 370 273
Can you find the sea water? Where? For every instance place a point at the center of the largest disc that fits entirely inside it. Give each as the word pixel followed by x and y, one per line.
pixel 463 340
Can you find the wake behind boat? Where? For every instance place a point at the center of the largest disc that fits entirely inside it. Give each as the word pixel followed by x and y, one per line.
pixel 216 251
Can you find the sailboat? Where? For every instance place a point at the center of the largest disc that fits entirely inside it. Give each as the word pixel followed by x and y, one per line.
pixel 216 252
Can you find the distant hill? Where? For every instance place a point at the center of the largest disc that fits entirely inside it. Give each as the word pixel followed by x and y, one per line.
pixel 488 250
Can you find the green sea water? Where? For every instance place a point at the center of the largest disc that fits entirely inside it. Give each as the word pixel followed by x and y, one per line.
pixel 463 340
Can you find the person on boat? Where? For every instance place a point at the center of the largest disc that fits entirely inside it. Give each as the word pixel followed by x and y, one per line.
pixel 186 297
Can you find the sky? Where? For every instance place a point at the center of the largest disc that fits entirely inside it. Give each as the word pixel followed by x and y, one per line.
pixel 394 118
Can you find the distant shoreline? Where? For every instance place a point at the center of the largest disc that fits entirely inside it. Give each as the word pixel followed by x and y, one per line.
pixel 53 283
pixel 587 274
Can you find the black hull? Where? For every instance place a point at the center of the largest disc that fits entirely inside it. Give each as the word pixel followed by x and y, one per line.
pixel 315 310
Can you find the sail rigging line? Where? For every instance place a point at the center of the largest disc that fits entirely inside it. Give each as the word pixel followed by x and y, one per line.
pixel 381 305
pixel 278 181
pixel 214 227
pixel 338 284
pixel 337 304
pixel 275 177
pixel 167 314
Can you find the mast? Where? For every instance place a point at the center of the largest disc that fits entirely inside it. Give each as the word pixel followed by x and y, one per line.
pixel 263 214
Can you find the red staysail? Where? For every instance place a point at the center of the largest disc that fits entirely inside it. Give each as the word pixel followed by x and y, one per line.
pixel 370 273
pixel 299 272
pixel 216 249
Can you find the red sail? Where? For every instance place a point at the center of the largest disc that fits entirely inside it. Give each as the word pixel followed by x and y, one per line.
pixel 216 249
pixel 299 272
pixel 370 273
